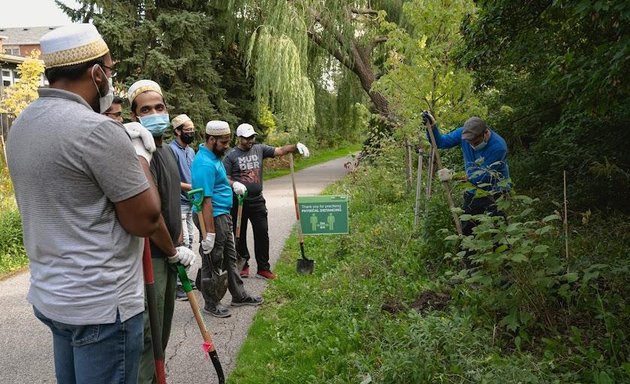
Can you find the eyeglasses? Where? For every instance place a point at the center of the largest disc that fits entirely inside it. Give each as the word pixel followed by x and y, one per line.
pixel 111 69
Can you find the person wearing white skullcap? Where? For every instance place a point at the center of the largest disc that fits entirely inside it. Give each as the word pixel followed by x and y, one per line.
pixel 217 247
pixel 148 108
pixel 85 202
pixel 184 131
pixel 244 165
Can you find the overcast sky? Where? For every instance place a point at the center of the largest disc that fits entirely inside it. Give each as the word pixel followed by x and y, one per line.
pixel 33 13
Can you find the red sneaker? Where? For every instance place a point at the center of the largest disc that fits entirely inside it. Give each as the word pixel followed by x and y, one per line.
pixel 245 272
pixel 267 275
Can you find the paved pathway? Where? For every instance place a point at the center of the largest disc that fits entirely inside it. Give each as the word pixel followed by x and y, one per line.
pixel 26 344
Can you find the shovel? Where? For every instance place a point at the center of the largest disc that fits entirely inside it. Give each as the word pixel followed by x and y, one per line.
pixel 208 345
pixel 154 317
pixel 217 284
pixel 237 234
pixel 304 266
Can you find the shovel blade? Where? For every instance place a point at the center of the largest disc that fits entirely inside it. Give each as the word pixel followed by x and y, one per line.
pixel 216 286
pixel 305 266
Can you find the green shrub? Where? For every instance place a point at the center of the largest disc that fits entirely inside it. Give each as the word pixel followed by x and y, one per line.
pixel 568 309
pixel 12 253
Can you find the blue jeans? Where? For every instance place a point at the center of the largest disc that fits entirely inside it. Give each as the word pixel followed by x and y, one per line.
pixel 104 353
pixel 188 227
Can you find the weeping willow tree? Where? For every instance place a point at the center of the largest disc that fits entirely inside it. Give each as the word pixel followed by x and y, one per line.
pixel 286 37
pixel 291 96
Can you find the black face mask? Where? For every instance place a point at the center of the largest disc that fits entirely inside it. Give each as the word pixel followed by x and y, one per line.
pixel 188 137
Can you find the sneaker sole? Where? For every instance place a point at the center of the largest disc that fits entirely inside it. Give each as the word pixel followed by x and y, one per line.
pixel 263 277
pixel 217 315
pixel 181 298
pixel 246 304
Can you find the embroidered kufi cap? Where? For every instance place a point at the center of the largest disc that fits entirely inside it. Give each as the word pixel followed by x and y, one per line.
pixel 141 86
pixel 180 120
pixel 218 128
pixel 72 44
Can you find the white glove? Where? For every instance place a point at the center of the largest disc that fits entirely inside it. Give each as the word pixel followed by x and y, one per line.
pixel 302 150
pixel 184 256
pixel 208 243
pixel 239 188
pixel 445 174
pixel 141 150
pixel 135 130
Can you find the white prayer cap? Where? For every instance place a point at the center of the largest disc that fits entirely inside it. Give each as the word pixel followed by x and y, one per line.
pixel 218 128
pixel 180 120
pixel 72 44
pixel 245 130
pixel 141 86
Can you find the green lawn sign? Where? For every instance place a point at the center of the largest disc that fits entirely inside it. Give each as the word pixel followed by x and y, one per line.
pixel 324 215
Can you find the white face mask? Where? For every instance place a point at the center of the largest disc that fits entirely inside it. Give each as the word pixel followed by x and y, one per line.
pixel 479 146
pixel 104 101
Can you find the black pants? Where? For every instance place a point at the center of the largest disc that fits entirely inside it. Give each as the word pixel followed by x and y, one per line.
pixel 254 211
pixel 478 206
pixel 222 256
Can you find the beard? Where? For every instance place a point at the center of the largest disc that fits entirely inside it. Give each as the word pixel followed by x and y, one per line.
pixel 217 152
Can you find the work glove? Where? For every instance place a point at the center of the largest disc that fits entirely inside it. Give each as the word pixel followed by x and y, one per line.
pixel 184 256
pixel 445 174
pixel 239 188
pixel 208 243
pixel 428 119
pixel 137 130
pixel 141 139
pixel 302 150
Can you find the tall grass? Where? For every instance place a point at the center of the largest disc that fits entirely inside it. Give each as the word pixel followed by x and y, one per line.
pixel 357 318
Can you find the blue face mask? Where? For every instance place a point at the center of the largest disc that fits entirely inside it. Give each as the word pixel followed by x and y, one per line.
pixel 156 124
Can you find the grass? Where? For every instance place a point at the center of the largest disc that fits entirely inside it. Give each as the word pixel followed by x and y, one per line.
pixel 278 167
pixel 355 320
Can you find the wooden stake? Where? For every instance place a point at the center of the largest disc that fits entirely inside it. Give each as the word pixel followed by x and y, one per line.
pixel 418 187
pixel 408 174
pixel 447 188
pixel 566 222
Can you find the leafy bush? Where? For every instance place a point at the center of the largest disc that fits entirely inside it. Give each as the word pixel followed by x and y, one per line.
pixel 538 299
pixel 12 253
pixel 355 320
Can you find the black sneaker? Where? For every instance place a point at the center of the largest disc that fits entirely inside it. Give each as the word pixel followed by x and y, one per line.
pixel 217 311
pixel 248 300
pixel 180 294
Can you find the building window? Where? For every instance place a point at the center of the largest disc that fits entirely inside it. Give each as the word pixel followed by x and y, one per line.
pixel 7 77
pixel 12 51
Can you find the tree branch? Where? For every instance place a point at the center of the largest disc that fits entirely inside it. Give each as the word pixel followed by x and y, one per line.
pixel 364 11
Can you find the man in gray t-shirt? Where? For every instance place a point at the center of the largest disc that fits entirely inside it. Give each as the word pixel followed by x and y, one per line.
pixel 84 200
pixel 245 164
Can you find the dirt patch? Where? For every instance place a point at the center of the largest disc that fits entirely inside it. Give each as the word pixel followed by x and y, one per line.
pixel 429 300
pixel 393 306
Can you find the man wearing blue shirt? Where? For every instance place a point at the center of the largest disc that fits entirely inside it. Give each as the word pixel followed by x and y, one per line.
pixel 184 131
pixel 485 163
pixel 219 251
